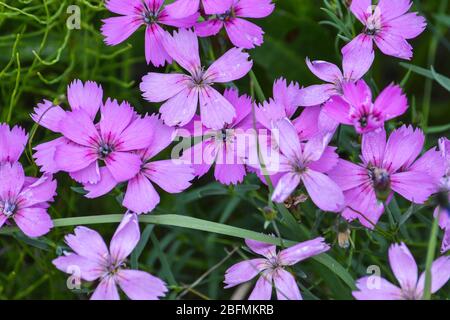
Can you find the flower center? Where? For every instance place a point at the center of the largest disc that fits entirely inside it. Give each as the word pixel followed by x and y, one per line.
pixel 9 208
pixel 373 25
pixel 149 16
pixel 197 77
pixel 104 150
pixel 381 182
pixel 225 16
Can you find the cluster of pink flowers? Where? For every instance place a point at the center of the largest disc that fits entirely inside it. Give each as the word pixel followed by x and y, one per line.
pixel 23 200
pixel 105 144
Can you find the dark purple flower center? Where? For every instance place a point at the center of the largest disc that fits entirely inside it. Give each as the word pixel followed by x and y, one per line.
pixel 197 77
pixel 104 150
pixel 149 16
pixel 225 16
pixel 9 208
pixel 381 182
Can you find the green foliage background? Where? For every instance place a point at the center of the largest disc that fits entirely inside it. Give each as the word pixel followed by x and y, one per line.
pixel 39 57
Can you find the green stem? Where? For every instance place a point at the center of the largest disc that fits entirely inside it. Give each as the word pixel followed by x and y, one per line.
pixel 430 257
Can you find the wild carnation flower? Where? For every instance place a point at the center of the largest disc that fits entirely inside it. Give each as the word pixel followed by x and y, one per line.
pixel 91 261
pixel 355 106
pixel 308 163
pixel 271 268
pixel 354 68
pixel 387 168
pixel 227 147
pixel 183 93
pixel 22 199
pixel 25 200
pixel 12 143
pixel 405 270
pixel 243 34
pixel 172 176
pixel 443 210
pixel 86 145
pixel 185 8
pixel 151 14
pixel 388 25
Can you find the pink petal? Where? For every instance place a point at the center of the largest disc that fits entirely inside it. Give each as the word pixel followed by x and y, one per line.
pixel 361 9
pixel 88 244
pixel 215 110
pixel 303 251
pixel 106 290
pixel 154 48
pixel 338 109
pixel 102 187
pixel 403 147
pixel 432 163
pixel 315 95
pixel 403 265
pixel 363 200
pixel 325 71
pixel 48 115
pixel 42 190
pixel 78 127
pixel 158 87
pixel 179 110
pixel 289 141
pixel 72 157
pixel 358 57
pixel 244 34
pixel 125 238
pixel 393 9
pixel 357 93
pixel 114 119
pixel 12 178
pixel 118 29
pixel 394 45
pixel 373 147
pixel 254 8
pixel 242 105
pixel 141 196
pixel 208 28
pixel 79 266
pixel 286 95
pixel 123 7
pixel 123 165
pixel 440 274
pixel 216 6
pixel 307 124
pixel 408 26
pixel 186 22
pixel 327 161
pixel 140 285
pixel 90 174
pixel 182 8
pixel 269 113
pixel 88 97
pixel 391 102
pixel 265 249
pixel 233 65
pixel 416 186
pixel 243 271
pixel 376 288
pixel 162 136
pixel 183 48
pixel 137 135
pixel 285 187
pixel 286 286
pixel 229 173
pixel 12 143
pixel 323 191
pixel 172 176
pixel 34 222
pixel 263 288
pixel 348 175
pixel 44 155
